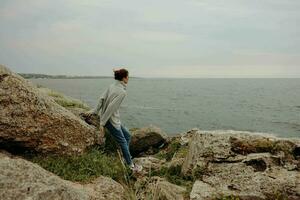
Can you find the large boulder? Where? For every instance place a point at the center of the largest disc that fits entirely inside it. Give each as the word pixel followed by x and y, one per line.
pixel 30 119
pixel 234 146
pixel 243 165
pixel 206 146
pixel 21 179
pixel 145 139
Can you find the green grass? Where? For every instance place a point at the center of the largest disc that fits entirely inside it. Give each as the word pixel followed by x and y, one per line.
pixel 173 175
pixel 199 171
pixel 170 151
pixel 63 100
pixel 83 168
pixel 51 93
pixel 69 103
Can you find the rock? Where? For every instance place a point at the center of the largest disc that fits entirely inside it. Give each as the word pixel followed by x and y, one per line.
pixel 202 191
pixel 296 151
pixel 262 161
pixel 186 137
pixel 175 162
pixel 146 138
pixel 248 145
pixel 207 146
pixel 149 163
pixel 21 179
pixel 223 168
pixel 244 181
pixel 233 146
pixel 157 188
pixel 105 188
pixel 29 119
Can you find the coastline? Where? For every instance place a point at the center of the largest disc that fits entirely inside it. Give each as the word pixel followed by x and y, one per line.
pixel 197 164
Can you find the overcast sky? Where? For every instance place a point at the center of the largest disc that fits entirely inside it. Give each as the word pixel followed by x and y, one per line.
pixel 152 38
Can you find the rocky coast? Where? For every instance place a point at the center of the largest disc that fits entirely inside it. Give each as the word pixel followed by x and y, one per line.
pixel 50 149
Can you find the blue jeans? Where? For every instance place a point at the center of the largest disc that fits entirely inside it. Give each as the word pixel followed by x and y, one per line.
pixel 122 136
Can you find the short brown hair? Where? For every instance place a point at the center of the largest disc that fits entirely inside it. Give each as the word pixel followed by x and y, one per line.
pixel 120 74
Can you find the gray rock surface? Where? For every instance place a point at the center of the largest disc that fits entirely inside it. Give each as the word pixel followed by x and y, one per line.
pixel 156 188
pixel 223 171
pixel 23 180
pixel 202 191
pixel 32 120
pixel 241 181
pixel 149 163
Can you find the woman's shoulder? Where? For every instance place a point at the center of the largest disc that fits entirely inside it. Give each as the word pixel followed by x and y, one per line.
pixel 117 89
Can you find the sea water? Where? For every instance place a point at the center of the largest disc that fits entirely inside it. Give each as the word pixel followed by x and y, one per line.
pixel 177 105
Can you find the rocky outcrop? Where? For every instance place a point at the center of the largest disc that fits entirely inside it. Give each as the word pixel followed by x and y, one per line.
pixel 242 165
pixel 21 180
pixel 145 139
pixel 218 163
pixel 157 188
pixel 243 181
pixel 32 120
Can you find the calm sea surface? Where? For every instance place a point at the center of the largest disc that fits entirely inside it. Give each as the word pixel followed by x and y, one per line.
pixel 177 105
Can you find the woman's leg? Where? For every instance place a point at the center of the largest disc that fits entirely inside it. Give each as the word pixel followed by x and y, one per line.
pixel 120 138
pixel 127 134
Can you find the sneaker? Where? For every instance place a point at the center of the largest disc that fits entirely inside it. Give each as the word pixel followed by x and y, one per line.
pixel 136 168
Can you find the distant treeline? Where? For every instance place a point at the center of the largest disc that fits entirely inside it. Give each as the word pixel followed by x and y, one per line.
pixel 28 76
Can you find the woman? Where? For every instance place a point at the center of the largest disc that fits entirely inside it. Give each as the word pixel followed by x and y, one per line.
pixel 108 106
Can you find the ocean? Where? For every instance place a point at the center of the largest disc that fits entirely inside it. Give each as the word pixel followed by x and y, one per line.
pixel 178 105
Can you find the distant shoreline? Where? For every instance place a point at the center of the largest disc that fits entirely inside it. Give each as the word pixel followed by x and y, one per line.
pixel 45 76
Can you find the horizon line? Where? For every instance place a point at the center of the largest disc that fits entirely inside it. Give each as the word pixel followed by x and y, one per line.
pixel 49 76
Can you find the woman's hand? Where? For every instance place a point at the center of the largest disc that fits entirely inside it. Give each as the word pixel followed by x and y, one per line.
pixel 89 113
pixel 102 130
pixel 100 138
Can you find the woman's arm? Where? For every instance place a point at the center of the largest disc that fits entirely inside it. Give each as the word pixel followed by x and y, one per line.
pixel 111 108
pixel 97 109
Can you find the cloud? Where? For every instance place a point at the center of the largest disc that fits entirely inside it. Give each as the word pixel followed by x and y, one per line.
pixel 194 37
pixel 13 10
pixel 219 71
pixel 158 36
